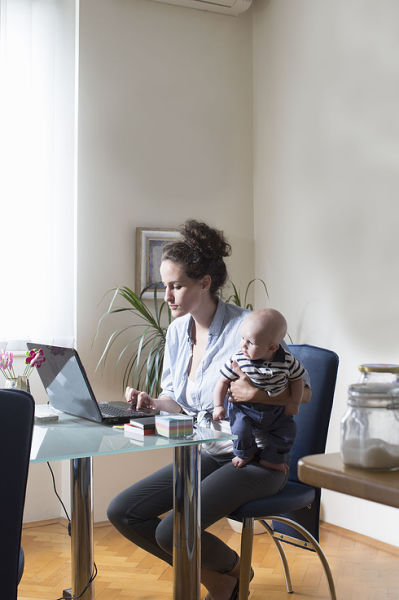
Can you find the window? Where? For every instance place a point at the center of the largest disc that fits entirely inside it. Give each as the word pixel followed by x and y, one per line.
pixel 37 170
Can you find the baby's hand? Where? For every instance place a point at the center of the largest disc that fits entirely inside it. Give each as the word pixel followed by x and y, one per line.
pixel 219 413
pixel 240 462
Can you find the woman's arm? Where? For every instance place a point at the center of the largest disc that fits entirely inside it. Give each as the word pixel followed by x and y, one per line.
pixel 242 390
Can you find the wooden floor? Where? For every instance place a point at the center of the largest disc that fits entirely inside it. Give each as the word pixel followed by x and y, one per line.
pixel 363 569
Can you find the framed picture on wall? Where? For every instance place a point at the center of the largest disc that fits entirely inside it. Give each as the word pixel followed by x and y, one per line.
pixel 149 244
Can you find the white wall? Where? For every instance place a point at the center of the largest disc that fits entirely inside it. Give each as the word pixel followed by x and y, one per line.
pixel 164 135
pixel 326 181
pixel 165 103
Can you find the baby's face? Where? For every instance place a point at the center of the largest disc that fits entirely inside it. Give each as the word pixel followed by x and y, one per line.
pixel 255 344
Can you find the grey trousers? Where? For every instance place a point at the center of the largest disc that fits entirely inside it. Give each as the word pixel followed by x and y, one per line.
pixel 135 511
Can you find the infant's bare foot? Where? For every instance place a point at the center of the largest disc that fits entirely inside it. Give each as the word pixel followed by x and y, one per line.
pixel 283 467
pixel 240 462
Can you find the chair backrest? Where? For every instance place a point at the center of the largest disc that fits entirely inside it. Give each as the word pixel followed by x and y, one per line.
pixel 314 417
pixel 16 425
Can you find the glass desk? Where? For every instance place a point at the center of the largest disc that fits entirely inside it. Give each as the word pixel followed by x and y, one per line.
pixel 79 440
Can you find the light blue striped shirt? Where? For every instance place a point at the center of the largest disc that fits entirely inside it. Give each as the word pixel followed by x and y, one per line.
pixel 223 340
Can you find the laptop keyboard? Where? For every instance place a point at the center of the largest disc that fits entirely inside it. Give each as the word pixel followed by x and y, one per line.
pixel 115 410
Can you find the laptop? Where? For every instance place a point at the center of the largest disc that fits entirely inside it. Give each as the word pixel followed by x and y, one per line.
pixel 68 388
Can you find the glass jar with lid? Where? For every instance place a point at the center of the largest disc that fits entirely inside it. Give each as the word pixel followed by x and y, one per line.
pixel 370 426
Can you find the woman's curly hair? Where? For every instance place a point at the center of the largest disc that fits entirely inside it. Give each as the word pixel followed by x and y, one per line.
pixel 200 252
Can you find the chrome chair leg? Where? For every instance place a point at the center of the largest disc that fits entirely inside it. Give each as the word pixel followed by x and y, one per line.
pixel 280 549
pixel 310 541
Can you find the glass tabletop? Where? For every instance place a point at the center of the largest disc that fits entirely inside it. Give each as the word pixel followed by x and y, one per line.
pixel 72 437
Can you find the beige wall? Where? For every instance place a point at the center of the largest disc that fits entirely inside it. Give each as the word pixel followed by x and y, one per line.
pixel 164 134
pixel 326 180
pixel 165 100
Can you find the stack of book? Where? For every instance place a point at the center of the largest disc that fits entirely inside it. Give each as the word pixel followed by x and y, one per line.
pixel 138 428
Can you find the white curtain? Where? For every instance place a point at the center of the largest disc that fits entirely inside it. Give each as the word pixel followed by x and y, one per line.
pixel 37 170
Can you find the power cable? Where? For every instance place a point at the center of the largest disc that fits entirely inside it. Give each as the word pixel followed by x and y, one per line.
pixel 94 573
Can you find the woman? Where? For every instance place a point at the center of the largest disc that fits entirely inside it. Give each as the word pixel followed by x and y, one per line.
pixel 204 333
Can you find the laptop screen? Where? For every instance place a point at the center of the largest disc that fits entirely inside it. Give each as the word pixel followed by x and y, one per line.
pixel 66 383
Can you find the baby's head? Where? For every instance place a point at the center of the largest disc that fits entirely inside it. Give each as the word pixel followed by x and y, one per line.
pixel 262 331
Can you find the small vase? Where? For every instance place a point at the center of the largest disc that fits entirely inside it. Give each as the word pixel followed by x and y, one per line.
pixel 18 383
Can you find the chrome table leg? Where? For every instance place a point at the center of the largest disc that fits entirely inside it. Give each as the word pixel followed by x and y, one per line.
pixel 82 527
pixel 186 524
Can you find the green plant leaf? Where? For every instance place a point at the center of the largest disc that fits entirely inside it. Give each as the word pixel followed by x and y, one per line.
pixel 236 298
pixel 142 356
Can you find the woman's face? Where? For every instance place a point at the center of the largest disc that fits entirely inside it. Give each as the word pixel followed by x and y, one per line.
pixel 183 294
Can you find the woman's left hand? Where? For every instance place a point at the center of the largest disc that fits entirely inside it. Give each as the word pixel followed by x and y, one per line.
pixel 241 390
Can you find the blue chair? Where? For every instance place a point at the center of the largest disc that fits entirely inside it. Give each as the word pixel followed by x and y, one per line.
pixel 293 514
pixel 16 426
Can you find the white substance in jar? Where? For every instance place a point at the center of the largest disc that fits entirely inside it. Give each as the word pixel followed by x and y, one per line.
pixel 372 453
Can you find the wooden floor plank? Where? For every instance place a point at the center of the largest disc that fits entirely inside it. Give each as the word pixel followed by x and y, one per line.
pixel 363 569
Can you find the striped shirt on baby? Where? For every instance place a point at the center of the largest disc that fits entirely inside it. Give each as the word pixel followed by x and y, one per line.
pixel 271 376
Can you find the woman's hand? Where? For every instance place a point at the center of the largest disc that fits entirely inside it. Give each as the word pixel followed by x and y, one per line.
pixel 131 396
pixel 139 399
pixel 242 390
pixel 142 400
pixel 307 394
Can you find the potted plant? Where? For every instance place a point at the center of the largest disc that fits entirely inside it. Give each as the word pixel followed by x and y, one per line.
pixel 142 355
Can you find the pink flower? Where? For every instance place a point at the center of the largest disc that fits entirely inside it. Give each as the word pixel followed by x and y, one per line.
pixel 6 359
pixel 38 360
pixel 30 356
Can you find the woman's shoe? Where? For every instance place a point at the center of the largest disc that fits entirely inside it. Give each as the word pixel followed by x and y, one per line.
pixel 235 592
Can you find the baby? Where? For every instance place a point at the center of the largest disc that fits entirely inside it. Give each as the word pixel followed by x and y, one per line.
pixel 271 367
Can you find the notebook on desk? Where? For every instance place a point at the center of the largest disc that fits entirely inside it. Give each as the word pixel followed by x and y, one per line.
pixel 69 390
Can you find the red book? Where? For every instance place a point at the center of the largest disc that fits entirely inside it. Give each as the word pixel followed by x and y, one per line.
pixel 138 428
